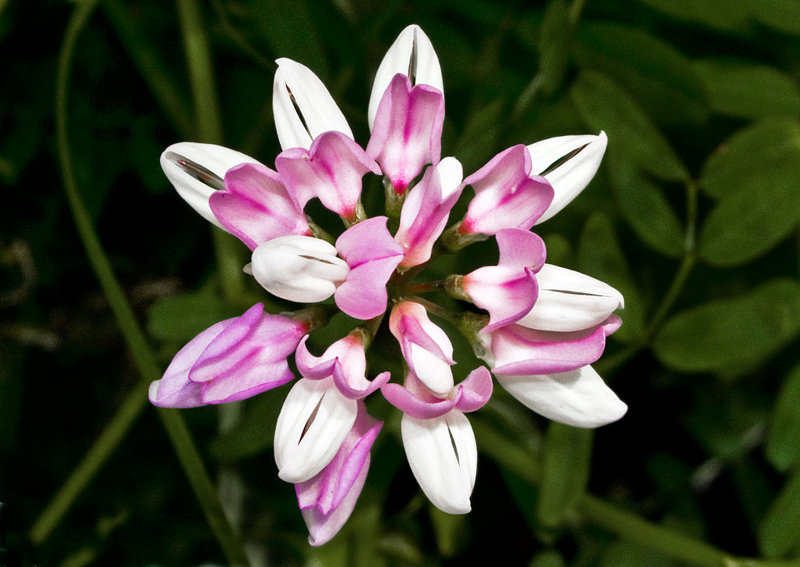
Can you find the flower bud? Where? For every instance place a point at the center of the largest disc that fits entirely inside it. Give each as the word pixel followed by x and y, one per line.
pixel 299 268
pixel 303 107
pixel 570 301
pixel 198 170
pixel 411 54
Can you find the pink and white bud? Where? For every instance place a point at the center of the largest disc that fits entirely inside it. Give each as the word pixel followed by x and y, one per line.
pixel 506 194
pixel 518 351
pixel 328 499
pixel 569 163
pixel 256 207
pixel 570 301
pixel 314 421
pixel 426 210
pixel 411 54
pixel 331 170
pixel 198 170
pixel 426 348
pixel 303 107
pixel 509 290
pixel 231 360
pixel 299 268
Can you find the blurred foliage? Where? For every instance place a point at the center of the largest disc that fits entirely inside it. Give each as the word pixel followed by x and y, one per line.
pixel 694 216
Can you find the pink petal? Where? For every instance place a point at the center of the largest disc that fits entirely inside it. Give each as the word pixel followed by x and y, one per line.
pixel 331 170
pixel 475 390
pixel 256 207
pixel 232 360
pixel 248 357
pixel 508 291
pixel 424 216
pixel 521 351
pixel 346 361
pixel 407 131
pixel 506 195
pixel 372 255
pixel 174 389
pixel 415 400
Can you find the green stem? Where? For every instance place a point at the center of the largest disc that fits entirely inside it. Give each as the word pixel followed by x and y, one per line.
pixel 201 76
pixel 91 463
pixel 143 356
pixel 150 66
pixel 678 546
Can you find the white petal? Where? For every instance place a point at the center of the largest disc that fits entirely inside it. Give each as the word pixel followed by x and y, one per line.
pixel 443 456
pixel 451 173
pixel 411 51
pixel 197 170
pixel 298 268
pixel 570 301
pixel 318 112
pixel 314 420
pixel 571 177
pixel 434 372
pixel 578 398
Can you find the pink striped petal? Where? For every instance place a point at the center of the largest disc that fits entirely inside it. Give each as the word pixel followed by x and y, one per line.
pixel 232 360
pixel 426 210
pixel 331 170
pixel 407 131
pixel 506 195
pixel 256 207
pixel 516 350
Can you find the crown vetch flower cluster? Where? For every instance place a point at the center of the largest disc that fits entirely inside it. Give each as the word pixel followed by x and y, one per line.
pixel 537 326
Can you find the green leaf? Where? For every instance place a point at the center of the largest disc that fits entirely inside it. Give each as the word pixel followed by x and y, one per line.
pixel 783 443
pixel 644 207
pixel 565 471
pixel 779 534
pixel 254 433
pixel 721 15
pixel 659 76
pixel 601 256
pixel 781 15
pixel 627 554
pixel 289 29
pixel 731 334
pixel 547 558
pixel 753 219
pixel 748 90
pixel 555 37
pixel 750 152
pixel 179 318
pixel 631 133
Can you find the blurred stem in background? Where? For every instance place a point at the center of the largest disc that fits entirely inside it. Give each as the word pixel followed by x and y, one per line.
pixel 143 356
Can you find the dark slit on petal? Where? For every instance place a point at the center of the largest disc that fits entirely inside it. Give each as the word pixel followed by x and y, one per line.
pixel 194 169
pixel 311 419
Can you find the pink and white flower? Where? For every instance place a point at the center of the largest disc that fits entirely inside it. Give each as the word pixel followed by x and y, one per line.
pixel 545 325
